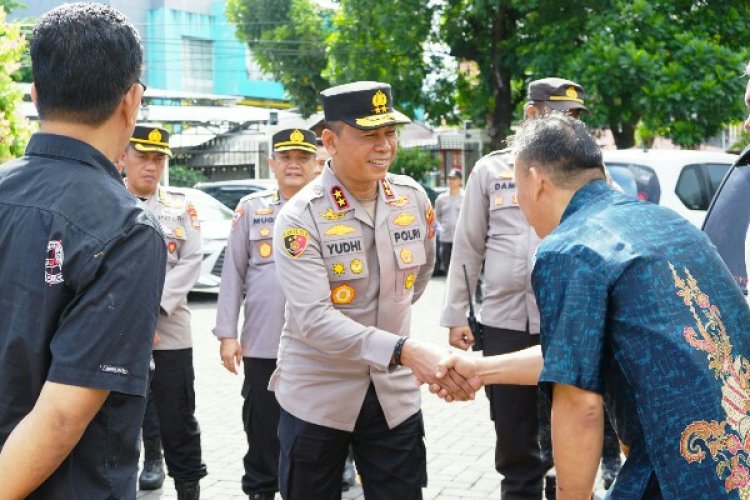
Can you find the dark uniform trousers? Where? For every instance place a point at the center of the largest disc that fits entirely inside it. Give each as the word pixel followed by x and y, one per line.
pixel 446 249
pixel 170 414
pixel 260 416
pixel 514 409
pixel 391 462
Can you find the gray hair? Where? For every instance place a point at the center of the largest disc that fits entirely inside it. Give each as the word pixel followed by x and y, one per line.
pixel 560 145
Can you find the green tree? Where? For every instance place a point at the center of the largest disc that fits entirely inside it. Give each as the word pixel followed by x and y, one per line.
pixel 182 176
pixel 382 41
pixel 14 128
pixel 287 38
pixel 415 163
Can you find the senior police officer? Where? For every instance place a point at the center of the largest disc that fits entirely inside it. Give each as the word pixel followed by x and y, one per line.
pixel 492 229
pixel 77 308
pixel 172 392
pixel 354 249
pixel 249 271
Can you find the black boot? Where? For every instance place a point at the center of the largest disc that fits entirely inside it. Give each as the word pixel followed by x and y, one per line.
pixel 188 490
pixel 152 475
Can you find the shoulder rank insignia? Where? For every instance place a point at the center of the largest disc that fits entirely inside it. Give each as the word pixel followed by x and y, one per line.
pixel 339 230
pixel 343 294
pixel 387 189
pixel 193 214
pixel 430 217
pixel 295 241
pixel 264 250
pixel 331 215
pixel 400 201
pixel 339 197
pixel 404 219
pixel 264 211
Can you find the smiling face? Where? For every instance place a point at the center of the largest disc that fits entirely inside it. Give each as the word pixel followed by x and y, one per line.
pixel 361 156
pixel 143 170
pixel 293 169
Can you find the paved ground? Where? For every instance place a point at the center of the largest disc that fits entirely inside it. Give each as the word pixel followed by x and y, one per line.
pixel 460 437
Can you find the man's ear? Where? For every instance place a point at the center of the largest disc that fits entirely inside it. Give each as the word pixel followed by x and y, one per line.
pixel 530 111
pixel 33 93
pixel 539 183
pixel 131 105
pixel 329 140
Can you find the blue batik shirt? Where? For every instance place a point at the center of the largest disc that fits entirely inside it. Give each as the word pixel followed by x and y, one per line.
pixel 637 305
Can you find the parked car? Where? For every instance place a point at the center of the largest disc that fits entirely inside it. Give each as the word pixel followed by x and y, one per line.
pixel 684 181
pixel 728 218
pixel 231 192
pixel 624 178
pixel 216 223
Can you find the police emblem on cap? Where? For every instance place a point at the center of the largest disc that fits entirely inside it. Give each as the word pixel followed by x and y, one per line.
pixel 287 139
pixel 362 105
pixel 571 92
pixel 154 135
pixel 380 101
pixel 296 136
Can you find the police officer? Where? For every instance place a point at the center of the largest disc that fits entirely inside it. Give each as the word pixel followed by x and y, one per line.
pixel 354 249
pixel 249 271
pixel 492 229
pixel 447 208
pixel 172 385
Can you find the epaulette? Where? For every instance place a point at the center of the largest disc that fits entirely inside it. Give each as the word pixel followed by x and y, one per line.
pixel 305 196
pixel 171 198
pixel 257 195
pixel 403 180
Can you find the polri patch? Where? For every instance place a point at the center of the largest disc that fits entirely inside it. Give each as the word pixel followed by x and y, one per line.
pixel 295 241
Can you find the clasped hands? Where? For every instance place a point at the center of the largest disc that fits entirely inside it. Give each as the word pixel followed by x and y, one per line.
pixel 451 376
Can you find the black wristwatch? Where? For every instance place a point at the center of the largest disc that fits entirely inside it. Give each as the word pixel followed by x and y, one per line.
pixel 397 351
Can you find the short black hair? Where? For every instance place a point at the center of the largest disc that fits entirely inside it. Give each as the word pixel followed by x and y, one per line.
pixel 84 59
pixel 559 144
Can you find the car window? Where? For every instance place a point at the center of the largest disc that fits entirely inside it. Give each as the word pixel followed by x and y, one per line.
pixel 727 220
pixel 715 173
pixel 231 195
pixel 690 188
pixel 209 209
pixel 646 180
pixel 624 178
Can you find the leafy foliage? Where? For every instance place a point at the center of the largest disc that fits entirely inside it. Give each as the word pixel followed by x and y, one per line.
pixel 15 130
pixel 415 163
pixel 182 176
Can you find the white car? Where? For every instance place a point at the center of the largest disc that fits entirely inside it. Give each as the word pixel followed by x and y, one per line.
pixel 682 180
pixel 216 223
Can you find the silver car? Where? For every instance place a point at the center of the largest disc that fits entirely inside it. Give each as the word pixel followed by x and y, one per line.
pixel 216 223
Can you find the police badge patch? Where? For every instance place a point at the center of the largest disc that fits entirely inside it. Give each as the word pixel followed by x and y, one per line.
pixel 295 241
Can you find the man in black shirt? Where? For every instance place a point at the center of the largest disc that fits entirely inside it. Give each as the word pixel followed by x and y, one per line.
pixel 82 269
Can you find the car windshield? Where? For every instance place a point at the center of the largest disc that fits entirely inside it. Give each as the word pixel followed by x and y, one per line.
pixel 727 222
pixel 209 208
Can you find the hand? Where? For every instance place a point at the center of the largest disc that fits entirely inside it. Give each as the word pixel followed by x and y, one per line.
pixel 461 337
pixel 423 360
pixel 231 354
pixel 157 339
pixel 465 366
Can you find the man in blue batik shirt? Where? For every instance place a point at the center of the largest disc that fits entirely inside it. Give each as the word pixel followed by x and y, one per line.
pixel 638 310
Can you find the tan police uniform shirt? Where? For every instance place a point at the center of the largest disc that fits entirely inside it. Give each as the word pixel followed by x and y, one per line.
pixel 349 284
pixel 447 209
pixel 249 271
pixel 492 229
pixel 181 228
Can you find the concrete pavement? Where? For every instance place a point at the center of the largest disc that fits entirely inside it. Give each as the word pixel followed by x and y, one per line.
pixel 459 436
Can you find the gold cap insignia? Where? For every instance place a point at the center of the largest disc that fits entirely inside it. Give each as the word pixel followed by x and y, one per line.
pixel 357 266
pixel 154 136
pixel 571 92
pixel 380 102
pixel 264 250
pixel 331 215
pixel 338 268
pixel 404 219
pixel 410 279
pixel 297 136
pixel 343 294
pixel 339 230
pixel 406 256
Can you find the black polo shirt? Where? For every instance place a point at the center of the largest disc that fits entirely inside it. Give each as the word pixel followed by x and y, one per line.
pixel 81 275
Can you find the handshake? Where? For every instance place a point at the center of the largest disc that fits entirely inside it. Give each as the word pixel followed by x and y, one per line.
pixel 451 376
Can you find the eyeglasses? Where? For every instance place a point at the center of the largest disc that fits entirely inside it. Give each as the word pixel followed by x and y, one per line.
pixel 142 85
